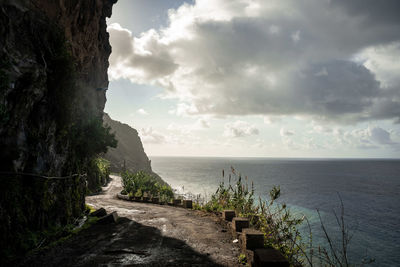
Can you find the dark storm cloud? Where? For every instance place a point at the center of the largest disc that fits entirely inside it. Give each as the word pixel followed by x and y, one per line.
pixel 380 18
pixel 373 11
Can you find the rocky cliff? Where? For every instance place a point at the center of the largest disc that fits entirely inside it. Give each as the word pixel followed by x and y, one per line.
pixel 129 153
pixel 53 72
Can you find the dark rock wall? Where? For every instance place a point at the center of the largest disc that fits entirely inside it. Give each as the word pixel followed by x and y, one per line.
pixel 53 62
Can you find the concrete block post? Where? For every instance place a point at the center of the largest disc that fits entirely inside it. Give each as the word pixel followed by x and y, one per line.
pixel 250 257
pixel 228 215
pixel 177 202
pixel 269 257
pixel 187 204
pixel 251 239
pixel 240 223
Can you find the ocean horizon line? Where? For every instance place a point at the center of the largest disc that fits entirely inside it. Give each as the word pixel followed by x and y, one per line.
pixel 275 158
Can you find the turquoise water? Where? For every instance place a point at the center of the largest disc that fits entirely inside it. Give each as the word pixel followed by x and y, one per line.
pixel 370 190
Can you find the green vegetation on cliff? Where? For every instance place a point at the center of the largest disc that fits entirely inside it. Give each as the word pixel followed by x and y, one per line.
pixel 98 174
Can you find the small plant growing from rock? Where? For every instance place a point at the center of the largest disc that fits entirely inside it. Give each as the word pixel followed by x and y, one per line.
pixel 242 259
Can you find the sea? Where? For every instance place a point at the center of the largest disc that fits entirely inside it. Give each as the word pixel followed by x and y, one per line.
pixel 368 188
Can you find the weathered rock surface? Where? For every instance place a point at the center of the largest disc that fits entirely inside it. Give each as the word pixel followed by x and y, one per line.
pixel 53 58
pixel 99 213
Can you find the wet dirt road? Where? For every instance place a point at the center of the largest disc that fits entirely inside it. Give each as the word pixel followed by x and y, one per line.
pixel 146 235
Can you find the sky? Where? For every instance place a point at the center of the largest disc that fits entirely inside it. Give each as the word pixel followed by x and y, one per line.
pixel 258 78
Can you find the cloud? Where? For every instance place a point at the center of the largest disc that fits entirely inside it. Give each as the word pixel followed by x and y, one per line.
pixel 202 123
pixel 284 132
pixel 371 137
pixel 272 119
pixel 384 62
pixel 185 129
pixel 327 60
pixel 320 129
pixel 239 129
pixel 367 138
pixel 380 136
pixel 296 36
pixel 142 112
pixel 288 140
pixel 132 60
pixel 175 135
pixel 369 12
pixel 149 136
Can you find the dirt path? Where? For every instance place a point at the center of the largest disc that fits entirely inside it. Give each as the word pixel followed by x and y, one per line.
pixel 149 235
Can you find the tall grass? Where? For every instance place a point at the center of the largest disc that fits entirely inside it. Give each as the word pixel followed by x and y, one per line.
pixel 143 184
pixel 279 225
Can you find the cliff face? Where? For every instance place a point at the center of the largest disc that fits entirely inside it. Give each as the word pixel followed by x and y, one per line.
pixel 129 153
pixel 53 66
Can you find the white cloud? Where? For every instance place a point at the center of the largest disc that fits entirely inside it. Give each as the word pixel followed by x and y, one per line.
pixel 272 119
pixel 183 109
pixel 288 141
pixel 320 129
pixel 149 136
pixel 139 59
pixel 185 129
pixel 384 61
pixel 239 129
pixel 142 112
pixel 284 132
pixel 367 138
pixel 202 123
pixel 272 58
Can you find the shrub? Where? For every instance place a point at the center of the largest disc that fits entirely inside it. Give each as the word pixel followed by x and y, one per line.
pixel 137 184
pixel 90 137
pixel 279 225
pixel 98 171
pixel 237 197
pixel 274 220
